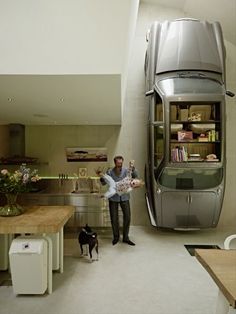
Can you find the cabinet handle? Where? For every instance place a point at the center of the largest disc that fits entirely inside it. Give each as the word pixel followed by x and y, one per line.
pixel 189 199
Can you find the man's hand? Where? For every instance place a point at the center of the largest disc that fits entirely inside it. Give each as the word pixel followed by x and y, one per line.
pixel 99 171
pixel 131 163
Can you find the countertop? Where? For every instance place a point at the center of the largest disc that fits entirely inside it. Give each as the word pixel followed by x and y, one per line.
pixel 37 219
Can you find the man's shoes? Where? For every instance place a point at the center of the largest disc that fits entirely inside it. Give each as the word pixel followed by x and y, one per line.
pixel 129 242
pixel 115 241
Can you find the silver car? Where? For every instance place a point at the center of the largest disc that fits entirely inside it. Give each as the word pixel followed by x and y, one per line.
pixel 185 88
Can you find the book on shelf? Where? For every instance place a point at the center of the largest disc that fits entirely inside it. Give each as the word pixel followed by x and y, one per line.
pixel 195 157
pixel 179 153
pixel 202 139
pixel 212 160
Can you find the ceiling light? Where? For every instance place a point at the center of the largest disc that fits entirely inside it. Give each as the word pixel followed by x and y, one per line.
pixel 40 115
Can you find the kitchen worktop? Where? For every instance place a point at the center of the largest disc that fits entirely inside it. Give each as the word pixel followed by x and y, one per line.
pixel 37 219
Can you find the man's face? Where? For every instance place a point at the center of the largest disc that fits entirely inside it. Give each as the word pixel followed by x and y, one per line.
pixel 119 163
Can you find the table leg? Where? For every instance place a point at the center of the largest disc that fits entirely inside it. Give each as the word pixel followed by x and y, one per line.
pixel 4 249
pixel 61 250
pixel 5 243
pixel 222 306
pixel 49 268
pixel 10 239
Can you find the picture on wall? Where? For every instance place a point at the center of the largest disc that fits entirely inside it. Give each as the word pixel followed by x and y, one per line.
pixel 82 172
pixel 74 154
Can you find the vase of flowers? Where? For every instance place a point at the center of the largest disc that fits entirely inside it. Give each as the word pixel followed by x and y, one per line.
pixel 11 184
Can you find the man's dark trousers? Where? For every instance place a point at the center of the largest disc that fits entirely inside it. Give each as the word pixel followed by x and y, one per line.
pixel 113 207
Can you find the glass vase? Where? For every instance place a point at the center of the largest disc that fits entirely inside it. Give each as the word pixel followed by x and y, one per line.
pixel 11 208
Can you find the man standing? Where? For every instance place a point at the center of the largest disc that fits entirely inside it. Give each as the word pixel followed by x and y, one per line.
pixel 118 173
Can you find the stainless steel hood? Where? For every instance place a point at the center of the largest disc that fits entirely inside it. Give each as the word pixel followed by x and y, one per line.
pixel 17 140
pixel 15 152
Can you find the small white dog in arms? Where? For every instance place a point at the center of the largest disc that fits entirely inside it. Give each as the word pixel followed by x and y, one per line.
pixel 126 185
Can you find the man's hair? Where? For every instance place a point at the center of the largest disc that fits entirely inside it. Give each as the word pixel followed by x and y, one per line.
pixel 118 158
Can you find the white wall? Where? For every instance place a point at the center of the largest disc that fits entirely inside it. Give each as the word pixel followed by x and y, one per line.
pixel 48 143
pixel 58 36
pixel 67 37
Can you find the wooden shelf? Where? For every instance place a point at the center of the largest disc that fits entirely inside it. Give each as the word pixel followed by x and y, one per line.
pixel 193 142
pixel 195 122
pixel 24 163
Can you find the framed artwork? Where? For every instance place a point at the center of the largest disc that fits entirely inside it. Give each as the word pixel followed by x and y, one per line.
pixel 75 154
pixel 82 172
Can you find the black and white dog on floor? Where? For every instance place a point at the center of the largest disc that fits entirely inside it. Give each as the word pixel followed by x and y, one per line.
pixel 89 238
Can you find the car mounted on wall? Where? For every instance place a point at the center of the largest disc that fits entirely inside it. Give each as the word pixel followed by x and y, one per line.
pixel 185 85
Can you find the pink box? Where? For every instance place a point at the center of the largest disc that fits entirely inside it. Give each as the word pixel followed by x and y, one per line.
pixel 185 135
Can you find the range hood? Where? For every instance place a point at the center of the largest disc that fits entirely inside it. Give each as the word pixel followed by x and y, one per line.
pixel 14 150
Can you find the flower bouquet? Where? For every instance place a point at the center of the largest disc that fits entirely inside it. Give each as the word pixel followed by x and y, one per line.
pixel 11 184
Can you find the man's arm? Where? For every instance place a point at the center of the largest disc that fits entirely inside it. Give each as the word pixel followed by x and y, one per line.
pixel 102 180
pixel 134 173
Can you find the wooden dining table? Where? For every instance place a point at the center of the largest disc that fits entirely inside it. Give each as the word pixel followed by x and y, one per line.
pixel 40 220
pixel 221 266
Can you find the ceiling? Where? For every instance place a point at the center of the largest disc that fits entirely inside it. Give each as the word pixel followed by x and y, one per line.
pixel 60 99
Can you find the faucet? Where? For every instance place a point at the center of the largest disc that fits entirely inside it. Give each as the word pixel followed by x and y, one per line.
pixel 76 184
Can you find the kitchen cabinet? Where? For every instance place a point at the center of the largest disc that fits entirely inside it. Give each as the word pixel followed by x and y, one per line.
pixel 90 208
pixel 185 210
pixel 40 199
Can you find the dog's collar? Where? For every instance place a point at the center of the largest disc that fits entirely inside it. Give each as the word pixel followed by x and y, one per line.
pixel 88 233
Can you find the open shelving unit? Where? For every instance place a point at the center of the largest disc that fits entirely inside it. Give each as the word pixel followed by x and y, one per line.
pixel 195 132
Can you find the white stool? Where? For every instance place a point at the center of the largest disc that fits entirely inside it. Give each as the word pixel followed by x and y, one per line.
pixel 228 240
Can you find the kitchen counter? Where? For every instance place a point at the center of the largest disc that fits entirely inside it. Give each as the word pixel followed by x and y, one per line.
pixel 41 220
pixel 37 219
pixel 90 208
